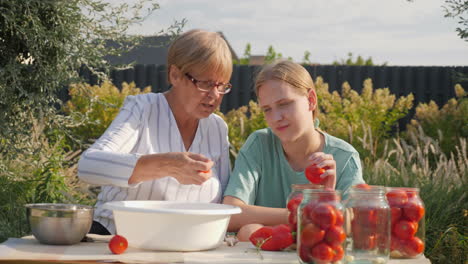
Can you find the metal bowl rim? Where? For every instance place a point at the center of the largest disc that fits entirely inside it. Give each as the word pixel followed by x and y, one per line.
pixel 44 206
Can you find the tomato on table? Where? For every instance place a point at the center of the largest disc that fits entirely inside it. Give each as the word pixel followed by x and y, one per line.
pixel 118 244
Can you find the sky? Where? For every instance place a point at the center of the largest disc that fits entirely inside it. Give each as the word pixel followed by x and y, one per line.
pixel 397 32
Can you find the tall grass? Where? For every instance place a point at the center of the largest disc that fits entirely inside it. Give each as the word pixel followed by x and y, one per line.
pixel 420 162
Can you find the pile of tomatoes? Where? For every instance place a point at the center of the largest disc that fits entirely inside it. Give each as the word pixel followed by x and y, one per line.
pixel 407 212
pixel 321 234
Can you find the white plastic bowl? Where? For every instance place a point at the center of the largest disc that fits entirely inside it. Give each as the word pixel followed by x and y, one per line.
pixel 171 225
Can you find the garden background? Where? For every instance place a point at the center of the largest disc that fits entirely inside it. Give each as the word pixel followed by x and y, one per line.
pixel 44 44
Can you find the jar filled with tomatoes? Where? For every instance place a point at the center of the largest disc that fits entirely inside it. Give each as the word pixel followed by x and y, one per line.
pixel 320 231
pixel 407 222
pixel 367 218
pixel 294 199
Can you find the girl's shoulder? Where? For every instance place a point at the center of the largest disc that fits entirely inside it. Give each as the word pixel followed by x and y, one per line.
pixel 334 144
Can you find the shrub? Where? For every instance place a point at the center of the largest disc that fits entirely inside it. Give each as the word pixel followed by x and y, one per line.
pixel 352 117
pixel 451 120
pixel 94 107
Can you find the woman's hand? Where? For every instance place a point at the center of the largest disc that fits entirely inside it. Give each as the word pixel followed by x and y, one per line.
pixel 326 162
pixel 185 167
pixel 190 168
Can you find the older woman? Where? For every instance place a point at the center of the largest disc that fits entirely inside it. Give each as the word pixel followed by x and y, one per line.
pixel 167 146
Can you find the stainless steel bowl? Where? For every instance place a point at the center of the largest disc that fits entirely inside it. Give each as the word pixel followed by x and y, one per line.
pixel 59 224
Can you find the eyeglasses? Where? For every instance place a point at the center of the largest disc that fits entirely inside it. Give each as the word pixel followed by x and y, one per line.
pixel 206 86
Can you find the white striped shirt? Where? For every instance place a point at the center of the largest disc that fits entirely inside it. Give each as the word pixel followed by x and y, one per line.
pixel 146 125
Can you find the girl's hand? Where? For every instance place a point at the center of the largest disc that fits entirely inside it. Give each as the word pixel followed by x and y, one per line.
pixel 326 162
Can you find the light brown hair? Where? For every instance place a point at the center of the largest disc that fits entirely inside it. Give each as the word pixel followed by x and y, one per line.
pixel 289 72
pixel 200 51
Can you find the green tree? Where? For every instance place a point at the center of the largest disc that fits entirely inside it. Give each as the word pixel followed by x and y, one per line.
pixel 245 60
pixel 306 58
pixel 272 55
pixel 359 61
pixel 458 9
pixel 43 44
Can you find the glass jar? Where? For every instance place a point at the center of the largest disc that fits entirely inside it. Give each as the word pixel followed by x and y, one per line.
pixel 320 232
pixel 367 218
pixel 294 199
pixel 407 222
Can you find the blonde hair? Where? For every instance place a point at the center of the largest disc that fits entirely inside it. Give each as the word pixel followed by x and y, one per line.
pixel 289 72
pixel 200 51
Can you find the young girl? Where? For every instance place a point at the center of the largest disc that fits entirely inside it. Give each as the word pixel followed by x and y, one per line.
pixel 274 158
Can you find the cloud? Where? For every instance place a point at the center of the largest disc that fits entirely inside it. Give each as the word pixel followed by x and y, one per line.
pixel 396 31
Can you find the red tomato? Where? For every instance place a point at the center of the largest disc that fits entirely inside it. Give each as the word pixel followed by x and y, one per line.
pixel 311 235
pixel 335 236
pixel 294 203
pixel 339 218
pixel 322 252
pixel 366 216
pixel 363 242
pixel 396 214
pixel 413 210
pixel 259 237
pixel 272 238
pixel 413 247
pixel 338 253
pixel 397 198
pixel 404 229
pixel 396 243
pixel 118 244
pixel 324 215
pixel 362 186
pixel 304 254
pixel 383 241
pixel 411 194
pixel 292 220
pixel 313 173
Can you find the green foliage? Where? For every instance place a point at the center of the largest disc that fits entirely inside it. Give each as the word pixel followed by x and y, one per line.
pixel 306 59
pixel 272 55
pixel 94 107
pixel 242 122
pixel 363 120
pixel 447 124
pixel 245 60
pixel 458 9
pixel 360 61
pixel 42 46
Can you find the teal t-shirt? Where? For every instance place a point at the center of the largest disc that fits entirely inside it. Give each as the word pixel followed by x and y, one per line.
pixel 262 175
